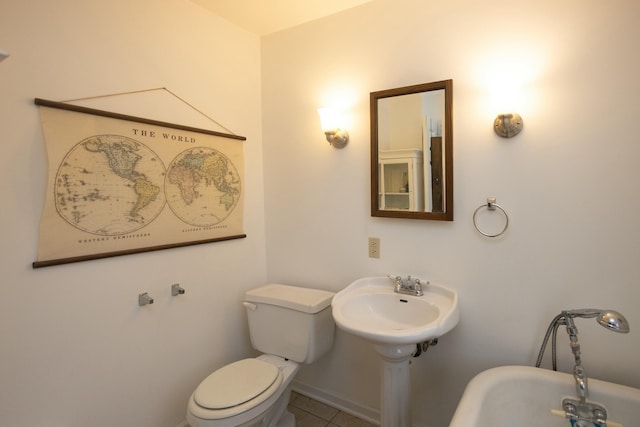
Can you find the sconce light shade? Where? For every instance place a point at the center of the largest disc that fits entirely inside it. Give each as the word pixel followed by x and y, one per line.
pixel 508 125
pixel 3 55
pixel 329 121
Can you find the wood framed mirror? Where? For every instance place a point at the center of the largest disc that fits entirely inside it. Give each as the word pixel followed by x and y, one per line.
pixel 412 152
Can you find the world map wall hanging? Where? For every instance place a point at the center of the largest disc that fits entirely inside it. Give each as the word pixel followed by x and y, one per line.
pixel 119 185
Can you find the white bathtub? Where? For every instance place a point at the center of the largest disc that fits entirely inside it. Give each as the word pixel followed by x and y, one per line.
pixel 524 396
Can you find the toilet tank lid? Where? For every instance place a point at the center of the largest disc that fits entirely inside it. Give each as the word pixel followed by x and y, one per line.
pixel 306 300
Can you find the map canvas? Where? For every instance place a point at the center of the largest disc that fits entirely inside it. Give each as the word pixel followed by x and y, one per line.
pixel 119 185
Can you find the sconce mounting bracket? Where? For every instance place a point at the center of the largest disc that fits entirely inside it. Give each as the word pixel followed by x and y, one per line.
pixel 508 125
pixel 338 138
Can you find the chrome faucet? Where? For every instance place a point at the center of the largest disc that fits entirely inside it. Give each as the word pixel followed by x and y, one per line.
pixel 408 286
pixel 579 374
pixel 609 319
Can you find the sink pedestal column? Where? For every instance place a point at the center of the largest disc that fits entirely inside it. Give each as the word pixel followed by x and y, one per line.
pixel 395 405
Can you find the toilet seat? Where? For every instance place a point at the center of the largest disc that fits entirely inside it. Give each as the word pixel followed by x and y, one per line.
pixel 236 388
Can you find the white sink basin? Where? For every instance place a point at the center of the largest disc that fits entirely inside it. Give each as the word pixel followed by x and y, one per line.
pixel 370 308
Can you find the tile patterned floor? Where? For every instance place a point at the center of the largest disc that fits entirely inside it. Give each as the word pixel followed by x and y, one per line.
pixel 311 413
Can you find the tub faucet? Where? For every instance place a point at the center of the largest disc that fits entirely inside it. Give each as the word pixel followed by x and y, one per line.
pixel 609 319
pixel 408 286
pixel 579 374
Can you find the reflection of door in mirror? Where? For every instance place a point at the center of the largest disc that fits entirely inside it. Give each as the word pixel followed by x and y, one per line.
pixel 432 131
pixel 436 174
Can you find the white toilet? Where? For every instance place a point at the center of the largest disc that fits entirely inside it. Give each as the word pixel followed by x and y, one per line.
pixel 290 325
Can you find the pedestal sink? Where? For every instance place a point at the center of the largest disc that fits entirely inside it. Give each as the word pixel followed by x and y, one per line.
pixel 370 308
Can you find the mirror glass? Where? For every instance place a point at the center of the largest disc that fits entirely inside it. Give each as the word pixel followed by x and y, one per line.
pixel 412 152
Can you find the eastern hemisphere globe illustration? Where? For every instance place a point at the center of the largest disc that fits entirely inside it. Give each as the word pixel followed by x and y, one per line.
pixel 202 186
pixel 110 185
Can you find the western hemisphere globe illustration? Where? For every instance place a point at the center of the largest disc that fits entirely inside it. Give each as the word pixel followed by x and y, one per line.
pixel 109 185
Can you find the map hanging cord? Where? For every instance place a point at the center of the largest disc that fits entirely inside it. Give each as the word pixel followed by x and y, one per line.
pixel 152 90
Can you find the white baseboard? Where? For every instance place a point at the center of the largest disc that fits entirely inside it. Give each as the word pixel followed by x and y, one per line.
pixel 366 413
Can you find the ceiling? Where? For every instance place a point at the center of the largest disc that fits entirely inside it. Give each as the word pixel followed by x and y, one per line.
pixel 268 16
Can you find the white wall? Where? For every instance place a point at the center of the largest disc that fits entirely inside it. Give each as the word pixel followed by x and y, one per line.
pixel 569 181
pixel 75 348
pixel 400 122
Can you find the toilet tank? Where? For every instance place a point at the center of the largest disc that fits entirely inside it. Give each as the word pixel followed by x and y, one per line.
pixel 289 321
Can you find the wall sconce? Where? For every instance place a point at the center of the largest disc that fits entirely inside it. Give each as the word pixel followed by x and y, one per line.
pixel 329 120
pixel 3 55
pixel 508 125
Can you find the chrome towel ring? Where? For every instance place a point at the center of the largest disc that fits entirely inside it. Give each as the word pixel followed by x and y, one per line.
pixel 491 206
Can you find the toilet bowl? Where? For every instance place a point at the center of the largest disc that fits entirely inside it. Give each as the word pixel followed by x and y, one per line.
pixel 295 326
pixel 247 393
